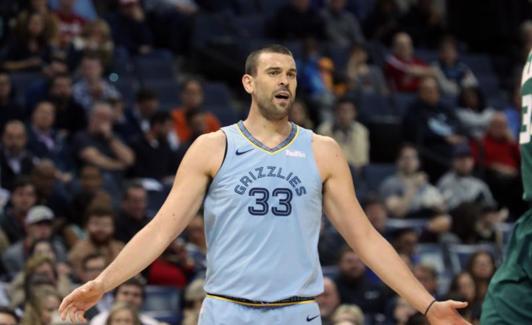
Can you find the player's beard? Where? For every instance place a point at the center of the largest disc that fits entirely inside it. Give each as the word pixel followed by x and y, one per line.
pixel 272 111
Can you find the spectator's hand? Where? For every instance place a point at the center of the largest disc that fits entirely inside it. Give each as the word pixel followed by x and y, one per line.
pixel 138 14
pixel 440 224
pixel 145 49
pixel 444 313
pixel 80 300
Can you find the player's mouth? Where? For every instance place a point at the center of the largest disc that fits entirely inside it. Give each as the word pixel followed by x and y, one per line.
pixel 282 97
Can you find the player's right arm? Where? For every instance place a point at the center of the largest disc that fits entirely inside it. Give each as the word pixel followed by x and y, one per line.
pixel 199 165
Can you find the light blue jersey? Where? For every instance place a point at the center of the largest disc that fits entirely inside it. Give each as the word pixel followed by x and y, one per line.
pixel 262 218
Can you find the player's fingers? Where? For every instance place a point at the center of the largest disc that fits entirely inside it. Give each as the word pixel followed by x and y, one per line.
pixel 67 309
pixel 64 304
pixel 457 304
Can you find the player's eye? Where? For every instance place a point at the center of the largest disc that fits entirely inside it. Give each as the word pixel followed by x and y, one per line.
pixel 273 73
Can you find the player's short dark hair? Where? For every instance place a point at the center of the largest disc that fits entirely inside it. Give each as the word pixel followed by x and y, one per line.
pixel 145 94
pixel 252 59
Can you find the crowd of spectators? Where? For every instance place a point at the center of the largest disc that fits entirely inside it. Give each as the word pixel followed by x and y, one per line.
pixel 89 147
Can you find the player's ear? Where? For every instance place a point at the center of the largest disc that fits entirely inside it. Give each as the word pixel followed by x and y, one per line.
pixel 249 83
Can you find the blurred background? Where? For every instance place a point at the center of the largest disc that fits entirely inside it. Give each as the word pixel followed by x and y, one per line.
pixel 100 99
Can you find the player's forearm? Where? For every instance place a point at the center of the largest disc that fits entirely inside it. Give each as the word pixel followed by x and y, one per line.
pixel 380 256
pixel 139 252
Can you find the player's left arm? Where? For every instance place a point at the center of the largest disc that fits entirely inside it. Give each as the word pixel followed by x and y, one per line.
pixel 344 211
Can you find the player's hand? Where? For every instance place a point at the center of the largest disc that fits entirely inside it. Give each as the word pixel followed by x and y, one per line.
pixel 444 313
pixel 80 300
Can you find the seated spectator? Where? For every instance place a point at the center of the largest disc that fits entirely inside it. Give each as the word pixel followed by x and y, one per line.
pixel 408 194
pixel 459 186
pixel 15 159
pixel 96 38
pixel 9 108
pixel 377 214
pixel 137 119
pixel 123 314
pixel 433 127
pixel 13 218
pixel 351 135
pixel 92 87
pixel 39 271
pixel 70 24
pixel 70 117
pixel 351 314
pixel 354 286
pixel 315 75
pixel 474 223
pixel 299 114
pixel 328 300
pixel 90 185
pixel 99 146
pixel 130 292
pixel 481 266
pixel 38 225
pixel 405 243
pixel 403 69
pixel 473 113
pixel 402 311
pixel 194 296
pixel 428 277
pixel 363 77
pixel 463 288
pixel 130 29
pixel 100 229
pixel 192 100
pixel 383 21
pixel 133 215
pixel 158 161
pixel 8 316
pixel 44 141
pixel 297 20
pixel 196 243
pixel 341 26
pixel 424 22
pixel 40 307
pixel 452 74
pixel 30 51
pixel 173 268
pixel 41 7
pixel 498 153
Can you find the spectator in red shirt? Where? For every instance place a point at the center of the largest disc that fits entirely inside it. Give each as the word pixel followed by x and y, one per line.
pixel 192 99
pixel 403 70
pixel 70 24
pixel 498 153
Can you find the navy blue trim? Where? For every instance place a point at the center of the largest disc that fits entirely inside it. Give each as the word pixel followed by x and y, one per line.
pixel 250 137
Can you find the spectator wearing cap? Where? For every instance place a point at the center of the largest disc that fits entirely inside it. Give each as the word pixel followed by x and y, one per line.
pixel 15 159
pixel 130 29
pixel 192 100
pixel 38 225
pixel 403 69
pixel 92 87
pixel 100 229
pixel 13 219
pixel 132 293
pixel 9 108
pixel 158 161
pixel 70 116
pixel 459 186
pixel 8 316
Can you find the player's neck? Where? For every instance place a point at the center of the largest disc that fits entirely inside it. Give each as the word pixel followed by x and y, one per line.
pixel 260 127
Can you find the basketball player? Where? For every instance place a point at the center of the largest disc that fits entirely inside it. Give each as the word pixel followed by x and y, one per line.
pixel 263 182
pixel 509 297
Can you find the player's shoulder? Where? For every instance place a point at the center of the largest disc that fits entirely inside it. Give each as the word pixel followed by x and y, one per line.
pixel 211 140
pixel 324 144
